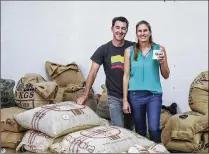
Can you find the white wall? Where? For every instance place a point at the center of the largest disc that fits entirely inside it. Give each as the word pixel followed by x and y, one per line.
pixel 62 32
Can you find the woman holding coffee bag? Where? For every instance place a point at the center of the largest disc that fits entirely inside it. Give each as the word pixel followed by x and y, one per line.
pixel 142 91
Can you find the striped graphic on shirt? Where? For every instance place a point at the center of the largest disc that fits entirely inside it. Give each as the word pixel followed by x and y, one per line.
pixel 117 62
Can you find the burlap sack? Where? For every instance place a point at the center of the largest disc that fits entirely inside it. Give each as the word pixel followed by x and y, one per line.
pixel 98 97
pixel 103 105
pixel 8 123
pixel 10 139
pixel 32 78
pixel 59 119
pixel 47 90
pixel 186 146
pixel 6 93
pixel 64 74
pixel 183 132
pixel 164 117
pixel 101 139
pixel 60 94
pixel 35 141
pixel 198 94
pixel 74 91
pixel 33 91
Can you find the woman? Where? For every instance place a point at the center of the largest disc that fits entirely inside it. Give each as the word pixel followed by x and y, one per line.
pixel 142 92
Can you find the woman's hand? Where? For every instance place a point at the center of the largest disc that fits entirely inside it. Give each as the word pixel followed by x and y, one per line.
pixel 161 55
pixel 163 63
pixel 126 107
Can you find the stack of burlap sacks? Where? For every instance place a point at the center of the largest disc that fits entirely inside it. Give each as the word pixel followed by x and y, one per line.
pixel 47 119
pixel 34 91
pixel 11 133
pixel 188 132
pixel 31 91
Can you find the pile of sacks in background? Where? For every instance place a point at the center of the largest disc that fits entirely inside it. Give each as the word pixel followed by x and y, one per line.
pixel 188 132
pixel 45 118
pixel 31 91
pixel 11 133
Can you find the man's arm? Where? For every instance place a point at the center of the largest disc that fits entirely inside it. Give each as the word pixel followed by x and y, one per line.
pixel 97 60
pixel 126 76
pixel 89 82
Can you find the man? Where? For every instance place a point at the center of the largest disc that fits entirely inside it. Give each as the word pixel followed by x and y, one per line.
pixel 111 55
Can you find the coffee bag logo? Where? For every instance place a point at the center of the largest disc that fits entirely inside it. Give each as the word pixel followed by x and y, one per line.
pixel 24 94
pixel 29 87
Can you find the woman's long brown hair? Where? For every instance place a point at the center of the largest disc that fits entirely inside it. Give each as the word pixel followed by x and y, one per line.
pixel 136 46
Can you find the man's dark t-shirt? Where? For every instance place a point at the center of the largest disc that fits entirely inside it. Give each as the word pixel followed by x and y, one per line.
pixel 112 59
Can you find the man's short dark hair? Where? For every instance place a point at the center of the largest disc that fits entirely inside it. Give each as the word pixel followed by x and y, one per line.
pixel 122 19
